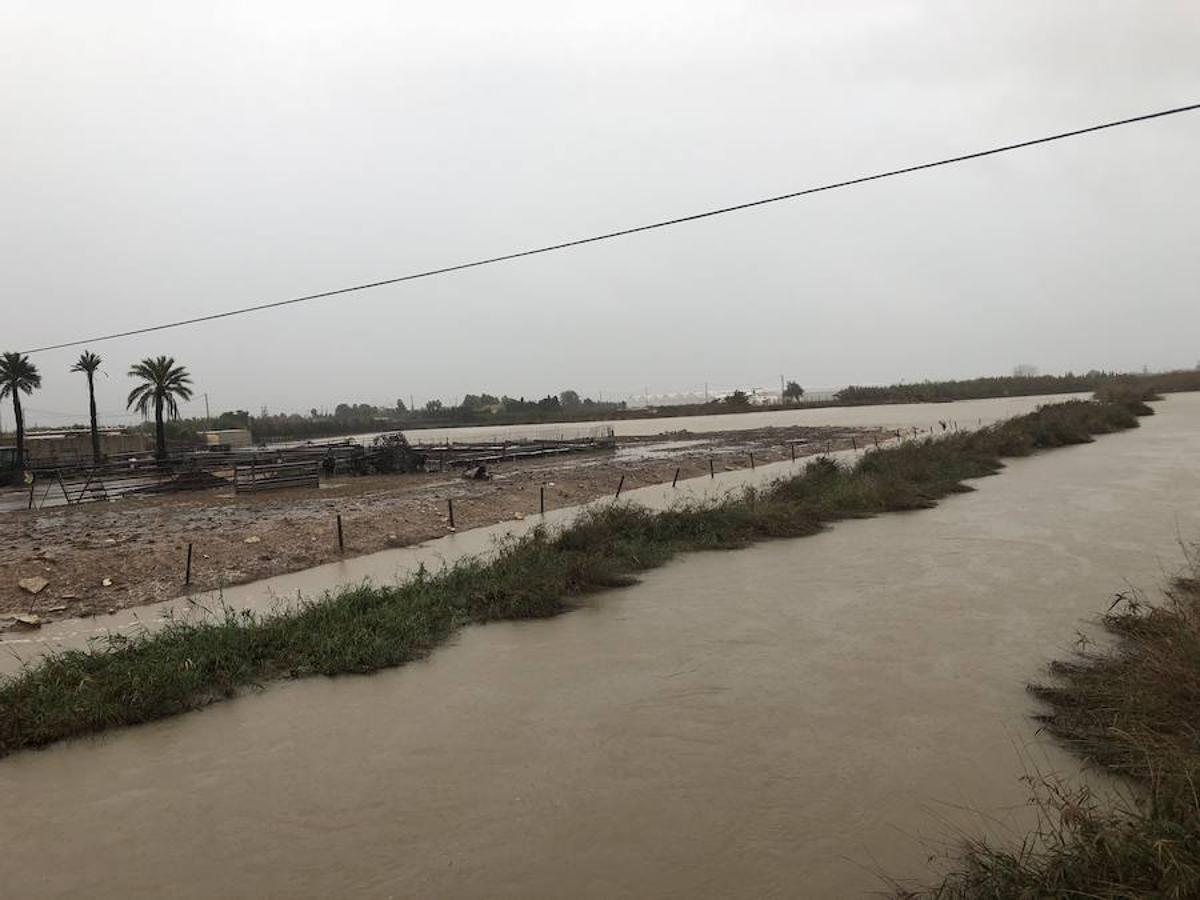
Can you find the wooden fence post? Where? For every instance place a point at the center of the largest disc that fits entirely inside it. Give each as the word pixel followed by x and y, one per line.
pixel 620 484
pixel 341 538
pixel 450 507
pixel 676 478
pixel 542 499
pixel 187 574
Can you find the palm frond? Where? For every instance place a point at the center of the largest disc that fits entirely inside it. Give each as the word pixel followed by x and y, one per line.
pixel 17 373
pixel 163 381
pixel 88 362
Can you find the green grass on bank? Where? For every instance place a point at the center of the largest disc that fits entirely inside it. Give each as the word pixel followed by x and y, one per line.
pixel 187 664
pixel 1134 710
pixel 1019 386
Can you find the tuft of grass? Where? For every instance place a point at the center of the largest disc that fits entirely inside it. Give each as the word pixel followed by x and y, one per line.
pixel 127 680
pixel 1134 394
pixel 1134 710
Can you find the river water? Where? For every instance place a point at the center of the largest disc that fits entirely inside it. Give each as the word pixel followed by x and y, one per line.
pixel 786 720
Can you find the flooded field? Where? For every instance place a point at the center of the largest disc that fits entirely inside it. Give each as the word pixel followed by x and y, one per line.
pixel 138 544
pixel 897 415
pixel 967 413
pixel 384 567
pixel 786 720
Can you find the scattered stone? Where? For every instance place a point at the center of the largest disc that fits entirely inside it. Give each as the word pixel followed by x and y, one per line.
pixel 27 621
pixel 253 539
pixel 54 609
pixel 107 582
pixel 32 585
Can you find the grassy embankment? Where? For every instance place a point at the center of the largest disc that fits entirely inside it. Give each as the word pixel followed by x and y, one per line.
pixel 186 665
pixel 1133 710
pixel 1019 386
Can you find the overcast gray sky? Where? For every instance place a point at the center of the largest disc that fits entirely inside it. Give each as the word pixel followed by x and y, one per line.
pixel 163 160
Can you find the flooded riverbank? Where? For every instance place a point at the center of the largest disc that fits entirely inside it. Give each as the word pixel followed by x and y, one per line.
pixel 289 549
pixel 775 721
pixel 384 567
pixel 103 557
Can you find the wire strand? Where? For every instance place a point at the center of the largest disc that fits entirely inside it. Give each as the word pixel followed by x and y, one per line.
pixel 624 232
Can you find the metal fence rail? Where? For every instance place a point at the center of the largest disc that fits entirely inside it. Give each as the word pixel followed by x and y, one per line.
pixel 449 455
pixel 253 469
pixel 270 476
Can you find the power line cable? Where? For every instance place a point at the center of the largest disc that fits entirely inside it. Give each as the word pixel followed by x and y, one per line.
pixel 637 229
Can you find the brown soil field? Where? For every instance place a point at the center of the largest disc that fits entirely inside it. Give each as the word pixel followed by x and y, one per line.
pixel 103 556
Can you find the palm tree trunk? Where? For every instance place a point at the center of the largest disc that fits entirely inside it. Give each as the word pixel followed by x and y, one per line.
pixel 160 434
pixel 95 429
pixel 20 417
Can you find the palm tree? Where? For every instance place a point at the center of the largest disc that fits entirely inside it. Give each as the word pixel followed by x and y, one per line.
pixel 163 384
pixel 18 376
pixel 88 363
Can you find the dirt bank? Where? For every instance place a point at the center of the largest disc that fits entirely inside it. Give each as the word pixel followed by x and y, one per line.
pixel 99 557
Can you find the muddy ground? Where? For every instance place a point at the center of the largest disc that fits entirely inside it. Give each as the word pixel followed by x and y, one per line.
pixel 100 557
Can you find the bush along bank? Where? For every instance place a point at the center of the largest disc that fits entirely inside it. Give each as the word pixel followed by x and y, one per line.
pixel 125 680
pixel 1135 711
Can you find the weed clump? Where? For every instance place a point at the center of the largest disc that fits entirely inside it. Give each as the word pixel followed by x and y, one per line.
pixel 1133 710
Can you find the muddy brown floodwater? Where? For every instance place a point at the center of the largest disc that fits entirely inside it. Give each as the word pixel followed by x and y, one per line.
pixel 785 720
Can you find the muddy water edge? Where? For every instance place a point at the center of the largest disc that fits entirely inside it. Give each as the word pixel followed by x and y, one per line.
pixel 781 721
